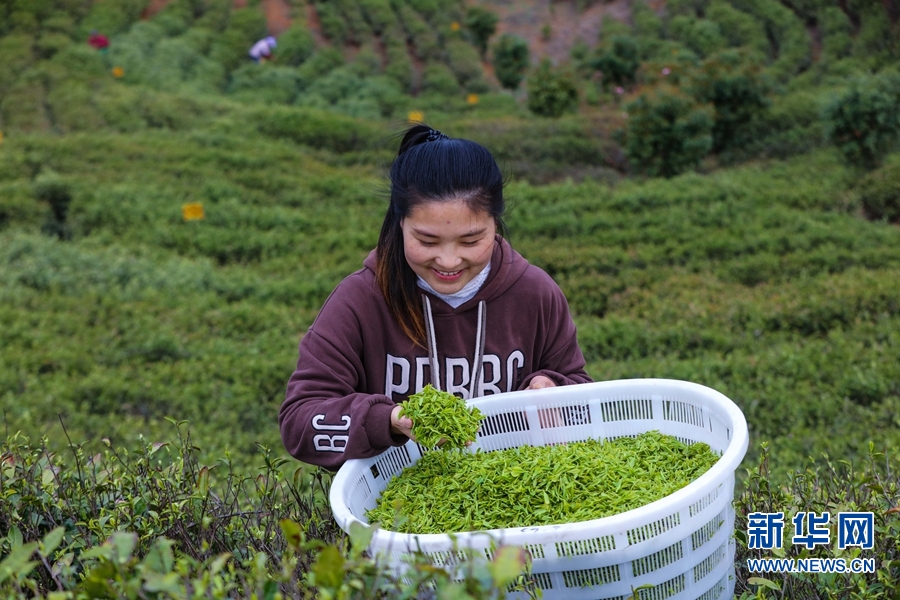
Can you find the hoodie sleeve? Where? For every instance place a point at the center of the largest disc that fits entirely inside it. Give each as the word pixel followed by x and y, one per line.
pixel 560 359
pixel 325 418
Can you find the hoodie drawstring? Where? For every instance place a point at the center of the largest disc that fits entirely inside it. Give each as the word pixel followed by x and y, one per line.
pixel 480 329
pixel 432 345
pixel 479 348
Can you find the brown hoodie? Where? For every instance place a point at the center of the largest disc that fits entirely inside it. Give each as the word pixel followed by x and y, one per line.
pixel 356 363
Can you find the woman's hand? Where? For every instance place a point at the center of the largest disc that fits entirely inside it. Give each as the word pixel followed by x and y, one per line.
pixel 401 425
pixel 540 382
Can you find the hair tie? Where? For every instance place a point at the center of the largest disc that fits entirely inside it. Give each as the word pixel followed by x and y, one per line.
pixel 434 135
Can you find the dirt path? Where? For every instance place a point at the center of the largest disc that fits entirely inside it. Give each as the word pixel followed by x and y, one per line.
pixel 278 15
pixel 528 18
pixel 314 25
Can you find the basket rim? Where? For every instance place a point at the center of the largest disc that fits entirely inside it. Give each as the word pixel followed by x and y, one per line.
pixel 723 468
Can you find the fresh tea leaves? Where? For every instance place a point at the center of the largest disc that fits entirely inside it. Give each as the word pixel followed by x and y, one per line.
pixel 438 415
pixel 447 492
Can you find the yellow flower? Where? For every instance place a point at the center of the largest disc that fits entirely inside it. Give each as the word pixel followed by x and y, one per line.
pixel 454 26
pixel 415 116
pixel 472 99
pixel 118 72
pixel 193 211
pixel 1 137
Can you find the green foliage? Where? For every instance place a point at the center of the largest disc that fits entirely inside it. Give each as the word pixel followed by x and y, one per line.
pixel 269 84
pixel 879 192
pixel 359 29
pixel 317 128
pixel 482 24
pixel 837 33
pixel 646 22
pixel 700 35
pixel 295 45
pixel 551 91
pixel 439 79
pixel 876 41
pixel 864 121
pixel 618 60
pixel 399 64
pixel 50 43
pixel 22 106
pixel 441 419
pixel 790 46
pixel 345 90
pixel 333 25
pixel 17 55
pixel 156 522
pixel 245 26
pixel 760 280
pixel 321 63
pixel 667 133
pixel 830 486
pixel 49 187
pixel 112 17
pixel 525 486
pixel 511 59
pixel 379 15
pixel 425 40
pixel 739 28
pixel 540 151
pixel 790 125
pixel 464 62
pixel 738 92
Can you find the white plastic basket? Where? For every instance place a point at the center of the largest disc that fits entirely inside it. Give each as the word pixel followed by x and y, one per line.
pixel 681 544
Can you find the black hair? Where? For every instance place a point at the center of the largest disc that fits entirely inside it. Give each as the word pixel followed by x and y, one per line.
pixel 430 167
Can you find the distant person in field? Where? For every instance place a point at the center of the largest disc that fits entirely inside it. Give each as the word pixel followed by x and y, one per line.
pixel 262 50
pixel 442 299
pixel 98 40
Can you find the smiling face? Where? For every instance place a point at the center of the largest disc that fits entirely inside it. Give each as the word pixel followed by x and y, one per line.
pixel 447 244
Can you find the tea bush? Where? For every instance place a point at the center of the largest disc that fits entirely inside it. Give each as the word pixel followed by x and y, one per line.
pixel 738 93
pixel 245 26
pixel 618 61
pixel 333 25
pixel 551 91
pixel 790 48
pixel 438 79
pixel 482 24
pixel 511 59
pixel 832 486
pixel 700 35
pixel 761 279
pixel 879 192
pixel 317 128
pixel 158 520
pixel 465 64
pixel 864 121
pixel 739 28
pixel 295 45
pixel 668 132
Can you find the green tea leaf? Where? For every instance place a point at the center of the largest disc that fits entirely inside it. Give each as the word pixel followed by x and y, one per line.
pixel 508 563
pixel 451 491
pixel 329 568
pixel 52 541
pixel 763 582
pixel 439 415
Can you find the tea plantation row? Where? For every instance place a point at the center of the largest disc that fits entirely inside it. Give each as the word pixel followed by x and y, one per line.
pixel 761 281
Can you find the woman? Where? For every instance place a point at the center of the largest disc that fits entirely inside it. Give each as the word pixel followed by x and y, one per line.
pixel 443 299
